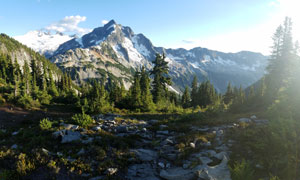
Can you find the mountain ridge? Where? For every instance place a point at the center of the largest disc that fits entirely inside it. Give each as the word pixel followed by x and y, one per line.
pixel 88 57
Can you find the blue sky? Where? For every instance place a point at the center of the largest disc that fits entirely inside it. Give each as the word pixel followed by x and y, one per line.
pixel 224 25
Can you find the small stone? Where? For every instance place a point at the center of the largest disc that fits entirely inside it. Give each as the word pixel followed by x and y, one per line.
pixel 111 171
pixel 14 146
pixel 163 132
pixel 82 151
pixel 97 128
pixel 15 133
pixel 253 117
pixel 192 145
pixel 161 164
pixel 163 126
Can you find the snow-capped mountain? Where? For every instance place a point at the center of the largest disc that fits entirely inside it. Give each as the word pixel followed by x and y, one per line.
pixel 115 51
pixel 43 42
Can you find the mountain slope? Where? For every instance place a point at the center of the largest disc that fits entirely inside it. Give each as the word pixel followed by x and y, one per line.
pixel 113 49
pixel 20 53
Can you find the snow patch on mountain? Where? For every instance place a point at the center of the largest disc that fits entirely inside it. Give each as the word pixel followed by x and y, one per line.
pixel 140 47
pixel 133 54
pixel 43 42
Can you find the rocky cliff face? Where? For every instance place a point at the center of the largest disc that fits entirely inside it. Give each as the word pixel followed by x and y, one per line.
pixel 114 52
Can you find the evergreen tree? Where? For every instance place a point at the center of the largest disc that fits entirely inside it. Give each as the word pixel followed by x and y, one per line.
pixel 146 96
pixel 135 98
pixel 194 92
pixel 229 95
pixel 185 100
pixel 161 78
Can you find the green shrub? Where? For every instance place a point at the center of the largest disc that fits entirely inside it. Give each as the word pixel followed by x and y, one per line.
pixel 242 171
pixel 45 124
pixel 2 100
pixel 27 102
pixel 24 165
pixel 83 120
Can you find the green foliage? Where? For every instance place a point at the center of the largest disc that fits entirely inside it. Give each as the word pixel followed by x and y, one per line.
pixel 45 124
pixel 242 171
pixel 24 165
pixel 185 99
pixel 161 78
pixel 27 102
pixel 83 120
pixel 2 100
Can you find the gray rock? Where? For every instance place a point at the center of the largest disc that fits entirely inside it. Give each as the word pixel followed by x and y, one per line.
pixel 122 129
pixel 87 141
pixel 82 151
pixel 261 121
pixel 163 126
pixel 15 133
pixel 67 135
pixel 171 156
pixel 70 126
pixel 163 132
pixel 111 171
pixel 161 164
pixel 205 160
pixel 177 173
pixel 244 120
pixel 253 117
pixel 217 172
pixel 97 178
pixel 15 146
pixel 96 128
pixel 141 172
pixel 153 121
pixel 145 154
pixel 166 141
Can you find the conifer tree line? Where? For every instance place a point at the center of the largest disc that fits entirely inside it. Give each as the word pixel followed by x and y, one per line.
pixel 37 83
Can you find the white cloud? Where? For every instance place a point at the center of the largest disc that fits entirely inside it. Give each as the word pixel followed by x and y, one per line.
pixel 188 41
pixel 69 24
pixel 104 21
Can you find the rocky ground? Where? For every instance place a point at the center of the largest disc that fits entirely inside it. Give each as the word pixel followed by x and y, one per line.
pixel 157 153
pixel 126 148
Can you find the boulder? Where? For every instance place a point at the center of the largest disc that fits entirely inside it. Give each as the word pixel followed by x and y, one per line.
pixel 217 172
pixel 67 135
pixel 177 173
pixel 145 154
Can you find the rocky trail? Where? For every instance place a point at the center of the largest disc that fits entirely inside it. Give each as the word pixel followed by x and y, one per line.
pixel 158 154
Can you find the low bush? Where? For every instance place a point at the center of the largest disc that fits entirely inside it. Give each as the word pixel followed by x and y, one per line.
pixel 242 171
pixel 83 120
pixel 45 124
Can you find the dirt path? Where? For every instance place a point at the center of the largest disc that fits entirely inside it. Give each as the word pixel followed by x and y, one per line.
pixel 11 116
